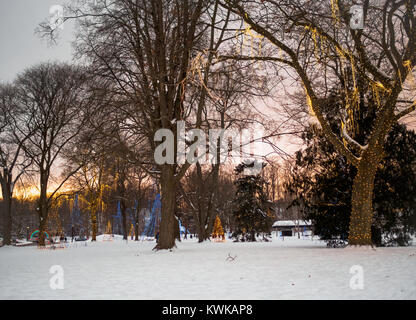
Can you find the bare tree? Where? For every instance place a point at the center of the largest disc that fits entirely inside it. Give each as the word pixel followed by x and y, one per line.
pixel 12 161
pixel 154 53
pixel 52 102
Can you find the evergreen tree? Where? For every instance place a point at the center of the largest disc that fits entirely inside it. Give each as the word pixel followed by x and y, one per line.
pixel 322 182
pixel 251 213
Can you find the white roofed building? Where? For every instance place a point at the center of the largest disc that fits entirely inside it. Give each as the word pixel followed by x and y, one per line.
pixel 289 228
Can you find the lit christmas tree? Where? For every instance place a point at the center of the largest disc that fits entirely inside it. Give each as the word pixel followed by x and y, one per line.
pixel 218 231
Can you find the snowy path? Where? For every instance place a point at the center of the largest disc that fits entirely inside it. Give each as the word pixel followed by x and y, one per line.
pixel 290 269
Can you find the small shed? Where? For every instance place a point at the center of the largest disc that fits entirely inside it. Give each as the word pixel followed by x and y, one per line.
pixel 288 228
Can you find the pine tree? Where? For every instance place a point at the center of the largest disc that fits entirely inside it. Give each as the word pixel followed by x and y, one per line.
pixel 218 231
pixel 250 215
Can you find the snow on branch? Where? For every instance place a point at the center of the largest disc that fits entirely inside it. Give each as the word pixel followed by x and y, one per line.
pixel 405 111
pixel 347 136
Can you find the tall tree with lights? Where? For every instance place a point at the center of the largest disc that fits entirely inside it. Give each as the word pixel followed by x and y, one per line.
pixel 322 180
pixel 322 44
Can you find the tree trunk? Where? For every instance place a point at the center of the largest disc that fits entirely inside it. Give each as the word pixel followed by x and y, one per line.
pixel 87 231
pixel 43 209
pixel 136 226
pixel 176 230
pixel 124 218
pixel 208 218
pixel 362 200
pixel 206 227
pixel 43 218
pixel 168 188
pixel 94 224
pixel 7 214
pixel 201 232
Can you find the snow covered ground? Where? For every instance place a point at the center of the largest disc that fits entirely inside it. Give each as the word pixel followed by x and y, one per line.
pixel 289 269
